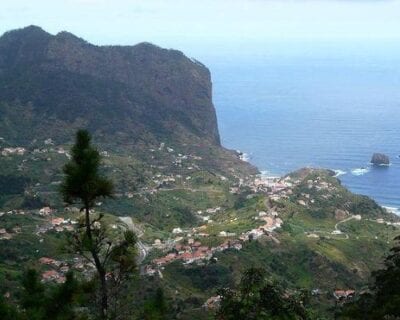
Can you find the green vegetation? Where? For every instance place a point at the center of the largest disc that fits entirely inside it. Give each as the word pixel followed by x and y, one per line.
pixel 12 184
pixel 383 299
pixel 258 298
pixel 41 302
pixel 159 144
pixel 295 259
pixel 83 184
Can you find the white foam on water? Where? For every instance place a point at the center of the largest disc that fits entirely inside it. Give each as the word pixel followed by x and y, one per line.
pixel 244 157
pixel 394 210
pixel 265 174
pixel 359 171
pixel 339 173
pixel 381 165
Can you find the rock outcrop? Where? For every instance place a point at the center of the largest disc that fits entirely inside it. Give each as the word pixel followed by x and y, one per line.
pixel 380 159
pixel 140 93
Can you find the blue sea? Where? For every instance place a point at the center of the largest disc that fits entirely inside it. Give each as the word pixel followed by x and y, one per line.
pixel 328 105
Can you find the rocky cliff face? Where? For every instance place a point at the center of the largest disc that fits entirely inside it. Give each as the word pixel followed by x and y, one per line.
pixel 51 85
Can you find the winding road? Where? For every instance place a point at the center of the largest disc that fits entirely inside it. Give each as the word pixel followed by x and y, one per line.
pixel 356 217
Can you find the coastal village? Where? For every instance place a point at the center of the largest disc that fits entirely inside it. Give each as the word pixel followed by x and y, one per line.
pixel 186 245
pixel 183 247
pixel 120 197
pixel 275 188
pixel 195 252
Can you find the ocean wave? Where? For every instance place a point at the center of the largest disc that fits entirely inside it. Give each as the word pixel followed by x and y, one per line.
pixel 359 171
pixel 268 175
pixel 381 165
pixel 244 157
pixel 394 210
pixel 339 173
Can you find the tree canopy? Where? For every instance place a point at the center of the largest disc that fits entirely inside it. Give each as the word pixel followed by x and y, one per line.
pixel 83 181
pixel 258 297
pixel 382 300
pixel 84 184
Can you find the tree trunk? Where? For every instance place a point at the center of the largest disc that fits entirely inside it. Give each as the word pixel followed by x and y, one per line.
pixel 104 294
pixel 99 267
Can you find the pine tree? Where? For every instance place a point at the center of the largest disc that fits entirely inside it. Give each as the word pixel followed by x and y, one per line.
pixel 84 184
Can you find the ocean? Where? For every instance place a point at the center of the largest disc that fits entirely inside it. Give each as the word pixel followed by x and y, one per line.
pixel 327 105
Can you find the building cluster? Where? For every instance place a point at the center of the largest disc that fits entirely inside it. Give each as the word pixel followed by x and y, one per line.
pixel 163 181
pixel 342 295
pixel 13 151
pixel 57 224
pixel 205 215
pixel 178 158
pixel 20 151
pixel 195 252
pixel 13 212
pixel 389 223
pixel 272 222
pixel 58 269
pixel 316 185
pixel 46 211
pixel 275 188
pixel 8 234
pixel 282 188
pixel 212 303
pixel 269 184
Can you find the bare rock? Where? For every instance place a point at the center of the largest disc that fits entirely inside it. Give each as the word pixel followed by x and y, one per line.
pixel 380 159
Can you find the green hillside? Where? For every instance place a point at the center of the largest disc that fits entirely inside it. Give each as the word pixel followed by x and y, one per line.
pixel 202 215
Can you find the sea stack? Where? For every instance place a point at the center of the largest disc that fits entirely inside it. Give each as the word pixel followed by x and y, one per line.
pixel 380 159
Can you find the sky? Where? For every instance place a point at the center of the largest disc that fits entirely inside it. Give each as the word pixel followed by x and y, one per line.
pixel 187 24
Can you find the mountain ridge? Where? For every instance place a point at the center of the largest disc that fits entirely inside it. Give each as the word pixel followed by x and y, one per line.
pixel 178 186
pixel 140 91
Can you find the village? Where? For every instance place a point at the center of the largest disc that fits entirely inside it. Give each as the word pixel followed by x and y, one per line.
pixel 186 245
pixel 194 252
pixel 48 222
pixel 57 269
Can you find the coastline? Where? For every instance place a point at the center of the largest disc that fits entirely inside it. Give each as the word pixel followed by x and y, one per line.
pixel 393 210
pixel 267 174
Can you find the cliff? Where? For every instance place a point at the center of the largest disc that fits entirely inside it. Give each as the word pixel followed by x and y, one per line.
pixel 52 85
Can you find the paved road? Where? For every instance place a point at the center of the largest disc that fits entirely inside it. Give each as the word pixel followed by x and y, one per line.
pixel 345 220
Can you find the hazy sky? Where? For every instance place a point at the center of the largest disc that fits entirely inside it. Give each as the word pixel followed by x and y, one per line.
pixel 181 23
